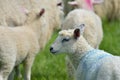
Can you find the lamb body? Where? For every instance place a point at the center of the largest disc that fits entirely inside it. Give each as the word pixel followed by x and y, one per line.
pixel 20 45
pixel 89 63
pixel 51 21
pixel 93 32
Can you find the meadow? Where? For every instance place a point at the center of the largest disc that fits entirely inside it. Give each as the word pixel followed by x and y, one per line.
pixel 52 67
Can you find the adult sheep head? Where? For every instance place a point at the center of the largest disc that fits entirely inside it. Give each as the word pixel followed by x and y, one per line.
pixel 66 40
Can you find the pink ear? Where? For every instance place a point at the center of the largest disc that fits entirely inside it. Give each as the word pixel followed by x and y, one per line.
pixel 24 10
pixel 89 4
pixel 73 3
pixel 76 33
pixel 97 1
pixel 42 12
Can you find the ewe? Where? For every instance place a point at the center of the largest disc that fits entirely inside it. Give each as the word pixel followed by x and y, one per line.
pixel 93 32
pixel 109 9
pixel 89 63
pixel 20 45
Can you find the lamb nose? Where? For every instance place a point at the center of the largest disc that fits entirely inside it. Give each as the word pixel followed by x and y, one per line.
pixel 51 48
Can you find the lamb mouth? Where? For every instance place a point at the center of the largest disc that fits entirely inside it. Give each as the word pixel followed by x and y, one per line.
pixel 54 52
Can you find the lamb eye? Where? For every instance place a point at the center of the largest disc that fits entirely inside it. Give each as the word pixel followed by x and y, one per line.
pixel 65 40
pixel 59 4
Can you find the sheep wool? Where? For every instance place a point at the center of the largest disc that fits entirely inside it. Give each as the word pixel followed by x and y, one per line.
pixel 12 15
pixel 93 32
pixel 90 63
pixel 109 9
pixel 20 45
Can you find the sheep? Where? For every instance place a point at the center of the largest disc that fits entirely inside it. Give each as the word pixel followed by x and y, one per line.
pixel 52 17
pixel 89 63
pixel 85 4
pixel 52 20
pixel 13 7
pixel 93 31
pixel 11 14
pixel 20 45
pixel 109 9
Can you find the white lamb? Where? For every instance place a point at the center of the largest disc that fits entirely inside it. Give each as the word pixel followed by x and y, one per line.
pixel 89 63
pixel 93 31
pixel 20 45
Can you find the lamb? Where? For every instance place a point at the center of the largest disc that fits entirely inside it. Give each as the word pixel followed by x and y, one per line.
pixel 89 63
pixel 52 20
pixel 20 45
pixel 93 31
pixel 109 9
pixel 52 17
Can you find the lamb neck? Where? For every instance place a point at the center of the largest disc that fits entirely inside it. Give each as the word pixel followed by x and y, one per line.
pixel 81 48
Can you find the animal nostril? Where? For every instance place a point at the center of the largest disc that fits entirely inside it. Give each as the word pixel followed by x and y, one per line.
pixel 51 48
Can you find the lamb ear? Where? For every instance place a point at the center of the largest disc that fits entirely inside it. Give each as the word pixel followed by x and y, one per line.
pixel 79 31
pixel 42 11
pixel 97 1
pixel 24 10
pixel 73 3
pixel 76 33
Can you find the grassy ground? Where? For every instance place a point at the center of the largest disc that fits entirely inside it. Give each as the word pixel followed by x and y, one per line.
pixel 52 67
pixel 111 40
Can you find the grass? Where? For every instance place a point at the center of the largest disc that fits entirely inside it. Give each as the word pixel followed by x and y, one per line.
pixel 52 67
pixel 111 40
pixel 48 66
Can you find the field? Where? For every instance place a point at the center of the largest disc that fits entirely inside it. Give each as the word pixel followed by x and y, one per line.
pixel 52 67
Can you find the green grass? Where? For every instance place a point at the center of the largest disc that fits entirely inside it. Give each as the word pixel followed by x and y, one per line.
pixel 111 40
pixel 52 67
pixel 48 66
